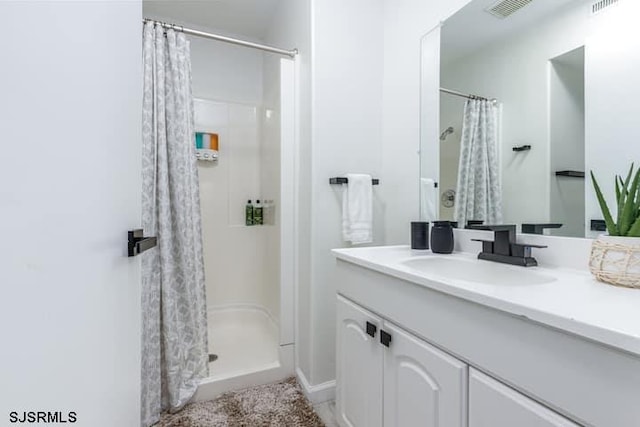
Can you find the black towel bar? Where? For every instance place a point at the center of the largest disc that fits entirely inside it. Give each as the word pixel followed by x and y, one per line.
pixel 522 148
pixel 571 174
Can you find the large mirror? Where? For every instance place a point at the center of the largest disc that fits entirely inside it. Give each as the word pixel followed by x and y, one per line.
pixel 533 95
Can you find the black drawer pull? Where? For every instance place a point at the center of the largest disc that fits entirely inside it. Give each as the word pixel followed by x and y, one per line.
pixel 385 338
pixel 371 329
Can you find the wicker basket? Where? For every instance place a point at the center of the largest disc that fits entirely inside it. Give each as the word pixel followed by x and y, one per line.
pixel 616 260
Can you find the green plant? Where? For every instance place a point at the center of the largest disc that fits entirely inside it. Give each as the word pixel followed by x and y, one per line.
pixel 628 204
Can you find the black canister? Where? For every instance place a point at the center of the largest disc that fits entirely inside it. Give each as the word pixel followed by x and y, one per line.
pixel 442 237
pixel 420 235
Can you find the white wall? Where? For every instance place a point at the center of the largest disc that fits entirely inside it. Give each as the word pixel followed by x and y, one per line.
pixel 516 72
pixel 70 185
pixel 226 72
pixel 339 95
pixel 347 137
pixel 291 28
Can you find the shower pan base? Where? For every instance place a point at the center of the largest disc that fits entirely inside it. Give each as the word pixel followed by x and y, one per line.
pixel 246 341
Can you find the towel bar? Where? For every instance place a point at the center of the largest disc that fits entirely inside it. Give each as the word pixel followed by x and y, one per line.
pixel 339 180
pixel 571 174
pixel 522 148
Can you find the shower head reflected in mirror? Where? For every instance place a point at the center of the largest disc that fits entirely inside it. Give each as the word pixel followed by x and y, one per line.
pixel 446 133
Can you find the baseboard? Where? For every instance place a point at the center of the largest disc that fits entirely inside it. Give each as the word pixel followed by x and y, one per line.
pixel 317 393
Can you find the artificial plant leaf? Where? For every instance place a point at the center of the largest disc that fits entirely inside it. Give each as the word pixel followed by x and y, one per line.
pixel 629 212
pixel 634 231
pixel 624 193
pixel 629 175
pixel 622 199
pixel 637 202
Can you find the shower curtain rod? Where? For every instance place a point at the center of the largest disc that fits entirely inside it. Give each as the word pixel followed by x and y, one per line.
pixel 291 53
pixel 468 96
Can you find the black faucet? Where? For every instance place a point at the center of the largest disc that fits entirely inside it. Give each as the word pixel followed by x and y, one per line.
pixel 504 248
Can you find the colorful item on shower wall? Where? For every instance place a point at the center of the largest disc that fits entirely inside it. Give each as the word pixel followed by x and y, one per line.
pixel 207 141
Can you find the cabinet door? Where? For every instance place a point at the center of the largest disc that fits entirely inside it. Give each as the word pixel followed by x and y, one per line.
pixel 493 404
pixel 359 367
pixel 423 386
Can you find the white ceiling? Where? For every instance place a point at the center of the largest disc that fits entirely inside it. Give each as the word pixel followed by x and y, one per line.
pixel 472 27
pixel 248 18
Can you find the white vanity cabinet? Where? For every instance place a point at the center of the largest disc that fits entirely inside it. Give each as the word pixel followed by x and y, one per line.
pixel 492 404
pixel 358 366
pixel 387 376
pixel 423 386
pixel 481 355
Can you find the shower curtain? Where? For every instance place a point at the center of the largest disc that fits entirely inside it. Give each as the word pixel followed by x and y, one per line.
pixel 174 322
pixel 478 195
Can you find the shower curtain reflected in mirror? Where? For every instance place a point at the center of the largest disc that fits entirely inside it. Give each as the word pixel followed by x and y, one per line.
pixel 174 323
pixel 479 194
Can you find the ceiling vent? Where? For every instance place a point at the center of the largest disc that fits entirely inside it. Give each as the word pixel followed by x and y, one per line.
pixel 602 5
pixel 505 8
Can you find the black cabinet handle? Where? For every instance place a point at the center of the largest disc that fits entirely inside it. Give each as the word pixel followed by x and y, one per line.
pixel 137 243
pixel 371 329
pixel 385 338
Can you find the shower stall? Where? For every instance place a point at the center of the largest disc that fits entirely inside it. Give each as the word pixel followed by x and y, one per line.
pixel 244 108
pixel 249 311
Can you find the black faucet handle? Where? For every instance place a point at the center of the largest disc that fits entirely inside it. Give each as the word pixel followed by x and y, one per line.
pixel 523 250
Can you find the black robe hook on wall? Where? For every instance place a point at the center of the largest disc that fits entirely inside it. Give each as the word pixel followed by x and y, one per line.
pixel 137 243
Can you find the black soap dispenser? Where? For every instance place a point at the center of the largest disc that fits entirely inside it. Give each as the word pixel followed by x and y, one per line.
pixel 442 237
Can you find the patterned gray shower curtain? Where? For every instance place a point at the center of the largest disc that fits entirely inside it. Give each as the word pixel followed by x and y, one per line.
pixel 479 193
pixel 174 321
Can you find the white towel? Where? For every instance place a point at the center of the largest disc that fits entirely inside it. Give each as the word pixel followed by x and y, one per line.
pixel 357 209
pixel 428 194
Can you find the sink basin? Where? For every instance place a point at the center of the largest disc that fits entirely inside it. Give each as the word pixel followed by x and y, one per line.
pixel 477 271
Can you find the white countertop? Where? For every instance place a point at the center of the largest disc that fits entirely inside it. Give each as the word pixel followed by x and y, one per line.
pixel 575 302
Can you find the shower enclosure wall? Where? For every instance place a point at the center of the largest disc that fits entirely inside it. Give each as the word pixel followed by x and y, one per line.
pixel 245 96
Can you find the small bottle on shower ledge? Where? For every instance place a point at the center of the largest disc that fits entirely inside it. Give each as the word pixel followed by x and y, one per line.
pixel 248 213
pixel 257 213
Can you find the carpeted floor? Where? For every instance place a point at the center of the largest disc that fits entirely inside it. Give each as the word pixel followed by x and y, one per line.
pixel 272 405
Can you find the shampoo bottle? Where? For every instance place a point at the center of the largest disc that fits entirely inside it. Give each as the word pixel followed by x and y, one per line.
pixel 257 213
pixel 248 213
